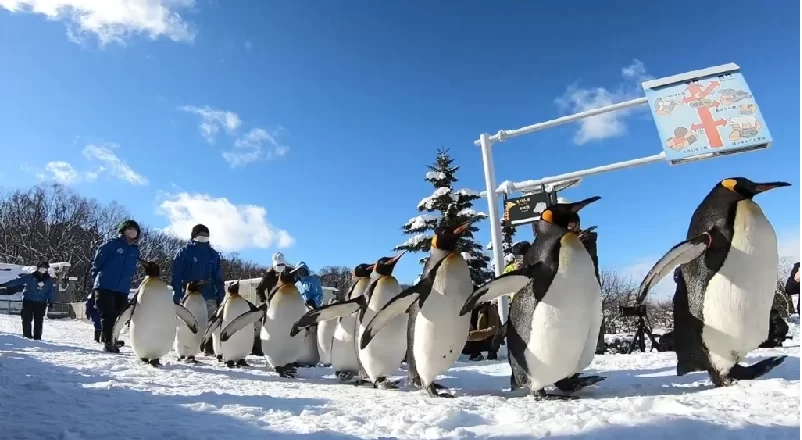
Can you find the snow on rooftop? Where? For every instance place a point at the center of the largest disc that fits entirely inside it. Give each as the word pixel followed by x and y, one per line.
pixel 641 398
pixel 435 175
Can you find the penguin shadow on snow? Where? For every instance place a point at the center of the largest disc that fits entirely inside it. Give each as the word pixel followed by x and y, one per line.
pixel 32 388
pixel 260 370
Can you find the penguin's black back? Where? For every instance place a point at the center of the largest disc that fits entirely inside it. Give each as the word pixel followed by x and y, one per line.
pixel 715 214
pixel 546 250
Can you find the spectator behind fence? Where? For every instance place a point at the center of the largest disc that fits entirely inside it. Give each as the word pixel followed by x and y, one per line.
pixel 113 269
pixel 792 285
pixel 37 297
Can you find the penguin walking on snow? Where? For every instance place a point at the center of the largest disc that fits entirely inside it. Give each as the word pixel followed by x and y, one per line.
pixel 187 342
pixel 554 321
pixel 325 336
pixel 384 356
pixel 283 308
pixel 152 316
pixel 728 275
pixel 344 353
pixel 437 333
pixel 232 348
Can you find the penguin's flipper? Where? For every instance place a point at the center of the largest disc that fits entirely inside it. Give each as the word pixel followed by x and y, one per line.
pixel 395 307
pixel 328 312
pixel 681 253
pixel 214 324
pixel 188 318
pixel 240 322
pixel 506 284
pixel 122 320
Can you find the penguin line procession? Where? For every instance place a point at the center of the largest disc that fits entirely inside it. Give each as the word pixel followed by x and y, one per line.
pixel 728 264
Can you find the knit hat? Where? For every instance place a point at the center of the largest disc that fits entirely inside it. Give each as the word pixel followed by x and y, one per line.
pixel 278 260
pixel 198 230
pixel 129 224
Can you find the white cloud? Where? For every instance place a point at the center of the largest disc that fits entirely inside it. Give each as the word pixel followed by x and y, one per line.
pixel 113 21
pixel 213 119
pixel 61 172
pixel 233 227
pixel 607 125
pixel 256 144
pixel 112 164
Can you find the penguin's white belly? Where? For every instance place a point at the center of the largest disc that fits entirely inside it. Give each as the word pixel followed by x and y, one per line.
pixel 593 332
pixel 217 345
pixel 153 325
pixel 384 354
pixel 562 322
pixel 240 344
pixel 343 346
pixel 440 333
pixel 187 343
pixel 325 335
pixel 738 298
pixel 278 346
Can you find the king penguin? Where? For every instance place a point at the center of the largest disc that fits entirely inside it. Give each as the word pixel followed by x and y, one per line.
pixel 437 333
pixel 728 270
pixel 556 313
pixel 325 336
pixel 187 342
pixel 152 315
pixel 344 353
pixel 231 348
pixel 383 357
pixel 284 306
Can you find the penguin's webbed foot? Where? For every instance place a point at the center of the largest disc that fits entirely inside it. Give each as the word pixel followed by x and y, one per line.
pixel 155 362
pixel 287 371
pixel 344 376
pixel 243 363
pixel 220 358
pixel 231 363
pixel 145 360
pixel 191 359
pixel 384 384
pixel 740 372
pixel 576 383
pixel 541 394
pixel 431 390
pixel 181 358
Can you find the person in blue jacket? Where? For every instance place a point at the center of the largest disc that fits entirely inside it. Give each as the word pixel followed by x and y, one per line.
pixel 37 297
pixel 198 261
pixel 93 314
pixel 309 286
pixel 113 269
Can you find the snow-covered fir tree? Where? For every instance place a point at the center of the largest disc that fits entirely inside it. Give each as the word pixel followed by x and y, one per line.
pixel 448 207
pixel 507 232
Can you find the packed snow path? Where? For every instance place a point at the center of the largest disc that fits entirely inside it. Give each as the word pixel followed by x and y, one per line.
pixel 66 388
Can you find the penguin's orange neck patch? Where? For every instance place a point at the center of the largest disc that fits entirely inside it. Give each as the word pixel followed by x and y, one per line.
pixel 547 216
pixel 434 241
pixel 729 184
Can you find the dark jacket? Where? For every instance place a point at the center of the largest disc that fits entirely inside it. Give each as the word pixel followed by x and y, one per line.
pixel 35 288
pixel 114 265
pixel 92 312
pixel 198 262
pixel 792 285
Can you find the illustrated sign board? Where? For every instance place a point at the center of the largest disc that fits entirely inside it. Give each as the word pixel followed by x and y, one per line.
pixel 711 114
pixel 527 209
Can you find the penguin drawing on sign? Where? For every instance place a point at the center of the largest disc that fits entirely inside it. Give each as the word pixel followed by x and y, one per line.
pixel 728 276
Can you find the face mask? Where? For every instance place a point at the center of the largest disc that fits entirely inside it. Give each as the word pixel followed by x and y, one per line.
pixel 279 268
pixel 131 233
pixel 41 270
pixel 202 239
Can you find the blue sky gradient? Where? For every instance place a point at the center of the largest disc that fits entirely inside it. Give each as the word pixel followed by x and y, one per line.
pixel 342 104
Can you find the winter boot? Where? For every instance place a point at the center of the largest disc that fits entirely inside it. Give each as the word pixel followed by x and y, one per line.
pixel 97 336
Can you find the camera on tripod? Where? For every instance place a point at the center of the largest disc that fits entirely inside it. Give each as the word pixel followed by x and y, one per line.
pixel 638 311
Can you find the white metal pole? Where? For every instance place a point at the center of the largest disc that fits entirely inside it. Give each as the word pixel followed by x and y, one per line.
pixel 495 219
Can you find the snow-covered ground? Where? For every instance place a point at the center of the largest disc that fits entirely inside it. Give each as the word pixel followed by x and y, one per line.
pixel 66 388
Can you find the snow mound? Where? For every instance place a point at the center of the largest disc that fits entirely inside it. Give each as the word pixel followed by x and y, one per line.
pixel 65 387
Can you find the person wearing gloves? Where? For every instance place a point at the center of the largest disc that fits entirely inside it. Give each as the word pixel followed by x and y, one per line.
pixel 37 296
pixel 198 261
pixel 309 286
pixel 113 269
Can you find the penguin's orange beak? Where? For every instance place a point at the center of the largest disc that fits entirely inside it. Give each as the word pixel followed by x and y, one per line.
pixel 763 187
pixel 396 258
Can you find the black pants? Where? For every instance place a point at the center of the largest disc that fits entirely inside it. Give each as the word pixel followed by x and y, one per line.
pixel 477 347
pixel 110 305
pixel 32 311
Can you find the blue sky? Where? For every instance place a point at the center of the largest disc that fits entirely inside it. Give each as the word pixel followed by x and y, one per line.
pixel 307 126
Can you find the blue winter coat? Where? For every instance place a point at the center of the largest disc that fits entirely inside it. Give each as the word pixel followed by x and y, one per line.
pixel 310 289
pixel 34 289
pixel 114 265
pixel 92 313
pixel 198 262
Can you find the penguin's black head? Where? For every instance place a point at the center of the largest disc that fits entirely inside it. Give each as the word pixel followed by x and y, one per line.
pixel 363 270
pixel 233 289
pixel 385 265
pixel 288 276
pixel 445 238
pixel 151 268
pixel 573 222
pixel 195 286
pixel 748 189
pixel 563 214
